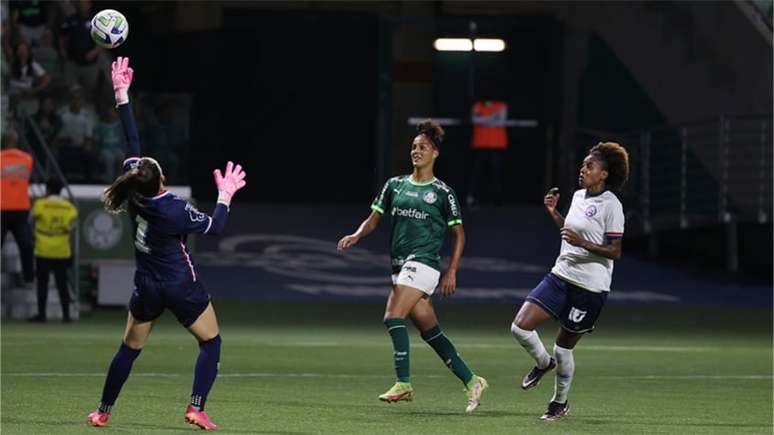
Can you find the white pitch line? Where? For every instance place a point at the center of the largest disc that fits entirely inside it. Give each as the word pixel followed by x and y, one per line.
pixel 223 375
pixel 651 348
pixel 87 375
pixel 464 345
pixel 690 377
pixel 343 375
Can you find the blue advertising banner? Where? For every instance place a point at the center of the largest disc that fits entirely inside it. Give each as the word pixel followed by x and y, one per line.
pixel 288 252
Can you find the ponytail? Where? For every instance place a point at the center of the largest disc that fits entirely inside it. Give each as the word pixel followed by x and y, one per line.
pixel 140 182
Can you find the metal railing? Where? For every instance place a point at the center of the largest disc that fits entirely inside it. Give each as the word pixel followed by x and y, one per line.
pixel 697 174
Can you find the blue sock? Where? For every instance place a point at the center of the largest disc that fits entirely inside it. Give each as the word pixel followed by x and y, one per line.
pixel 117 374
pixel 206 371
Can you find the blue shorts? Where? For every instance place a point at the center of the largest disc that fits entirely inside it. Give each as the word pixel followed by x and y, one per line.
pixel 187 299
pixel 576 308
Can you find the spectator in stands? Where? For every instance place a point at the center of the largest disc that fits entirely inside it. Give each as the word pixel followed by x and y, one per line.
pixel 5 75
pixel 30 18
pixel 48 56
pixel 7 35
pixel 85 63
pixel 54 217
pixel 15 170
pixel 28 78
pixel 47 121
pixel 109 141
pixel 76 139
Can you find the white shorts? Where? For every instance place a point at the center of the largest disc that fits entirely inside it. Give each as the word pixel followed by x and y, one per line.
pixel 417 275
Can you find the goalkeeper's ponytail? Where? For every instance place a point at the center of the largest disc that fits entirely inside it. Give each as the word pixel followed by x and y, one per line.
pixel 142 181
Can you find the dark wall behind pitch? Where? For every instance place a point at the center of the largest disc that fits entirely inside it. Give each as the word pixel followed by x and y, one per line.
pixel 526 76
pixel 291 96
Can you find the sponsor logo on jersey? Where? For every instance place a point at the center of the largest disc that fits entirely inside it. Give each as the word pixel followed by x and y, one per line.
pixel 430 197
pixel 591 210
pixel 410 213
pixel 414 194
pixel 441 185
pixel 453 206
pixel 576 315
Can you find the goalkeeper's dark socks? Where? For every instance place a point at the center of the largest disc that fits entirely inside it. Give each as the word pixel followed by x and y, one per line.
pixel 206 371
pixel 117 374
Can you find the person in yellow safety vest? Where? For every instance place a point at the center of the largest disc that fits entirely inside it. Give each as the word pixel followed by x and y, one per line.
pixel 54 217
pixel 490 141
pixel 16 167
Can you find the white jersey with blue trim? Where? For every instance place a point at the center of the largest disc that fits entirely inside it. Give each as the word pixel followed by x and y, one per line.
pixel 597 218
pixel 161 226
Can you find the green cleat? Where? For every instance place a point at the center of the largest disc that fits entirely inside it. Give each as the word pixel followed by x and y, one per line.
pixel 399 391
pixel 474 390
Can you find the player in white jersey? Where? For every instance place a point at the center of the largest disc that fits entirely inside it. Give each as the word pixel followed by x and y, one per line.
pixel 577 286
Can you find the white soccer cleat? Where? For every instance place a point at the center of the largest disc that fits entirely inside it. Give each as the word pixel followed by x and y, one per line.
pixel 475 390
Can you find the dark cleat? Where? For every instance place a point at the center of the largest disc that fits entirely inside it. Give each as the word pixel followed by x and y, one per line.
pixel 556 411
pixel 535 375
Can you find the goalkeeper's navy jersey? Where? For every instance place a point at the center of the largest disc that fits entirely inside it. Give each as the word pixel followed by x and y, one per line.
pixel 160 228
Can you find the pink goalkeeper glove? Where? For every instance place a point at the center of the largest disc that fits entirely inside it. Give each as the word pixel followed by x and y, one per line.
pixel 232 179
pixel 122 79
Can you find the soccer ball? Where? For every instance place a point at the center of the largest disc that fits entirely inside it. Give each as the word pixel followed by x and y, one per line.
pixel 109 28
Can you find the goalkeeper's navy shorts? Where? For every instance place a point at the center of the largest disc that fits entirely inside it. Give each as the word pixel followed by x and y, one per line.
pixel 576 308
pixel 186 299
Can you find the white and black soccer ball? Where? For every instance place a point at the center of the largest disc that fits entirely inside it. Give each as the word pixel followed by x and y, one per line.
pixel 109 28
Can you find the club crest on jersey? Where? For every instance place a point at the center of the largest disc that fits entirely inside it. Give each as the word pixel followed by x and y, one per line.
pixel 576 315
pixel 591 210
pixel 430 197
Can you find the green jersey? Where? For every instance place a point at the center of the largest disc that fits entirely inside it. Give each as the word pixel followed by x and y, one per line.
pixel 420 213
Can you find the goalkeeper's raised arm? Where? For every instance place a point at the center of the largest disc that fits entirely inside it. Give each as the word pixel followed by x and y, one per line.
pixel 122 74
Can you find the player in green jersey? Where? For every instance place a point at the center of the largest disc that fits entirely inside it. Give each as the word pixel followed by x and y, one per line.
pixel 421 207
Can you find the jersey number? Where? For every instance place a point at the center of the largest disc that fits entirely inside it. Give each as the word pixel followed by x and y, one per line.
pixel 139 237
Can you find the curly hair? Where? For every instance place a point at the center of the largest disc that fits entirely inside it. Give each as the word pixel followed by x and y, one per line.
pixel 432 131
pixel 616 161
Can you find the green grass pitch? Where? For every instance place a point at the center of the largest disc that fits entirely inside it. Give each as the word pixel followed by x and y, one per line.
pixel 317 368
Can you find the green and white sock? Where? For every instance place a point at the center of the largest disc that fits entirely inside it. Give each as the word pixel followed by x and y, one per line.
pixel 445 349
pixel 400 345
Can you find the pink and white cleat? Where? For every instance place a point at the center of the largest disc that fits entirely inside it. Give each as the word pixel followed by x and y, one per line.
pixel 199 418
pixel 98 418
